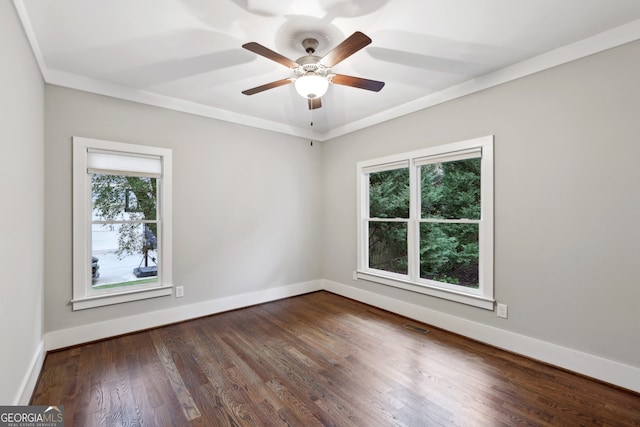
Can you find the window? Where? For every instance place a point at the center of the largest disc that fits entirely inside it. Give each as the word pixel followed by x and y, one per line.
pixel 425 221
pixel 121 223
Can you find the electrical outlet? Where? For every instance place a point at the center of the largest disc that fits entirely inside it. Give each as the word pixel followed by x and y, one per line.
pixel 179 291
pixel 355 275
pixel 502 311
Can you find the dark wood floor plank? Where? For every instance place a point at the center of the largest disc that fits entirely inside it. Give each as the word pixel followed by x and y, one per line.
pixel 181 391
pixel 317 359
pixel 328 375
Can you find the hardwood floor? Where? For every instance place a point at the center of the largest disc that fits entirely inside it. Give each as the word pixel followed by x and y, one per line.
pixel 316 359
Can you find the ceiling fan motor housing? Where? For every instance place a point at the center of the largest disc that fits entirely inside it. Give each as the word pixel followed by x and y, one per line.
pixel 310 64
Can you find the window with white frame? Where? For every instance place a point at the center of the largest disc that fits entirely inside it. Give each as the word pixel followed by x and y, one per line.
pixel 121 222
pixel 425 221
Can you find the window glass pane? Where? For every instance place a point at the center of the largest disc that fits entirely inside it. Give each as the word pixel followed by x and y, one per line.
pixel 123 198
pixel 123 255
pixel 389 194
pixel 451 190
pixel 388 246
pixel 449 253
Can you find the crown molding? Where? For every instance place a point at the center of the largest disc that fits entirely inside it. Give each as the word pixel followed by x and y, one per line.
pixel 606 40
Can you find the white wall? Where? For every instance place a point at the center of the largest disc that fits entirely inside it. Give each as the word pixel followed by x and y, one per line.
pixel 567 203
pixel 247 203
pixel 22 211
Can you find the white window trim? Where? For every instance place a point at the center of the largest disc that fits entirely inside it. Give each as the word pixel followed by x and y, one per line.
pixel 82 298
pixel 483 297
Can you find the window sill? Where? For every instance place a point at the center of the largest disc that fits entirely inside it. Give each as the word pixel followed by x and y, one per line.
pixel 473 300
pixel 109 299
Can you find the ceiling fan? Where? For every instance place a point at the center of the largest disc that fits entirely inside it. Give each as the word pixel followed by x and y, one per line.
pixel 312 74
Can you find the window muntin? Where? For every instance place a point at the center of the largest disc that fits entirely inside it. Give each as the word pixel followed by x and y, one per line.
pixel 449 228
pixel 122 222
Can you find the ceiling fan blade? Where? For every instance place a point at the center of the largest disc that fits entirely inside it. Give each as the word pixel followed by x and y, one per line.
pixel 269 54
pixel 314 103
pixel 358 82
pixel 348 47
pixel 267 86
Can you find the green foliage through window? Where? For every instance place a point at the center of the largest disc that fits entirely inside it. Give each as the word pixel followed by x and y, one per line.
pixel 388 246
pixel 448 228
pixel 388 198
pixel 451 190
pixel 389 194
pixel 449 251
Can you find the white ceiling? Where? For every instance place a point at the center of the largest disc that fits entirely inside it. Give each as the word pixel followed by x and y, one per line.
pixel 186 54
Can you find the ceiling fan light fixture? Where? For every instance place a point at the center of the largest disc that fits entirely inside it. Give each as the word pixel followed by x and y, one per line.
pixel 311 85
pixel 311 73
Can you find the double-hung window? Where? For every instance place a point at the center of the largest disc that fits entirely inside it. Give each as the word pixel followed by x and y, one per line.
pixel 121 222
pixel 425 221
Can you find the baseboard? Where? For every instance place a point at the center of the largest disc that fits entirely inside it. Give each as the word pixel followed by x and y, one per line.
pixel 109 328
pixel 31 377
pixel 583 363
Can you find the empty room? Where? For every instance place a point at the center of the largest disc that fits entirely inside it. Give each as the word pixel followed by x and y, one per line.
pixel 325 212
